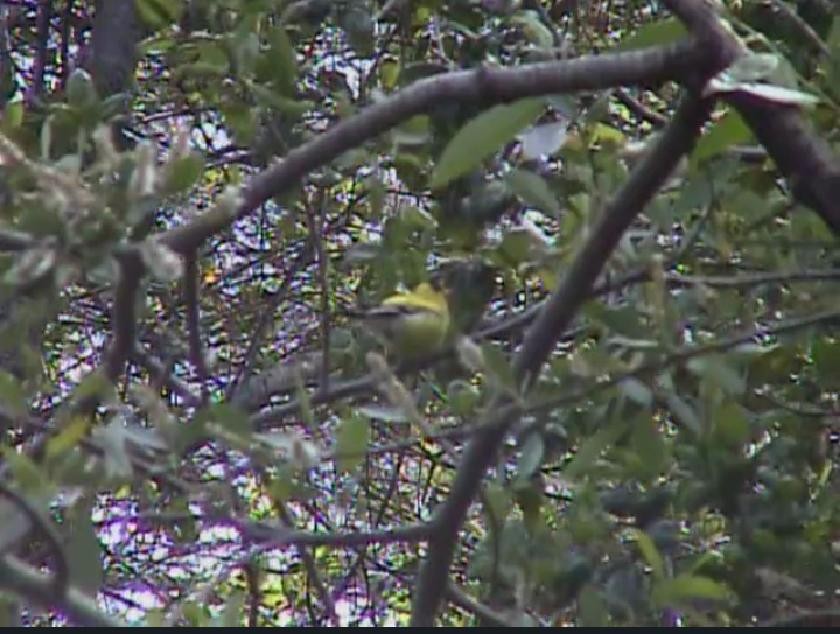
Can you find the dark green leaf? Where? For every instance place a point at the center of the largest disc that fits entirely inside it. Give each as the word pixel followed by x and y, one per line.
pixel 592 448
pixel 655 34
pixel 533 189
pixel 531 457
pixel 351 441
pixel 731 424
pixel 183 173
pixel 482 136
pixel 726 132
pixel 826 355
pixel 650 553
pixel 159 14
pixel 684 589
pixel 83 552
pixel 636 391
pixel 498 367
pixel 12 397
pixel 592 608
pixel 281 59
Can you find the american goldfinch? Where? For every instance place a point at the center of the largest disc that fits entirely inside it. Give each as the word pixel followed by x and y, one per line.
pixel 413 324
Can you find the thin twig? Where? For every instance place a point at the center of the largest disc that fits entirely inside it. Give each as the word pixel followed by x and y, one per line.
pixel 316 228
pixel 193 308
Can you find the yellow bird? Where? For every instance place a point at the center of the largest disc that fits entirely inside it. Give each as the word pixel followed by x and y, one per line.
pixel 413 324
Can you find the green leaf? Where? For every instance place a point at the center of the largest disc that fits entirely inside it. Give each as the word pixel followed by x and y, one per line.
pixel 183 173
pixel 497 504
pixel 531 457
pixel 518 246
pixel 230 417
pixel 533 190
pixel 482 136
pixel 826 356
pixel 592 448
pixel 648 456
pixel 159 14
pixel 29 476
pixel 196 614
pixel 69 436
pixel 592 608
pixel 232 614
pixel 80 90
pixel 650 553
pixel 654 34
pixel 13 115
pixel 636 391
pixel 462 397
pixel 281 57
pixel 529 498
pixel 535 31
pixel 83 552
pixel 384 413
pixel 683 413
pixel 731 425
pixel 284 105
pixel 112 438
pixel 351 441
pixel 684 589
pixel 728 131
pixel 716 370
pixel 94 385
pixel 11 395
pixel 498 367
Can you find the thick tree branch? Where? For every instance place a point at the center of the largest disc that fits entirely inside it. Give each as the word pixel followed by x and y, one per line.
pixel 485 86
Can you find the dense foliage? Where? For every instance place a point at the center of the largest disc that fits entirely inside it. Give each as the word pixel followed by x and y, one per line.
pixel 634 204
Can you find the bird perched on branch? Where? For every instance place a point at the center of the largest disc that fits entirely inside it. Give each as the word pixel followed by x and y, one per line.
pixel 420 322
pixel 412 323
